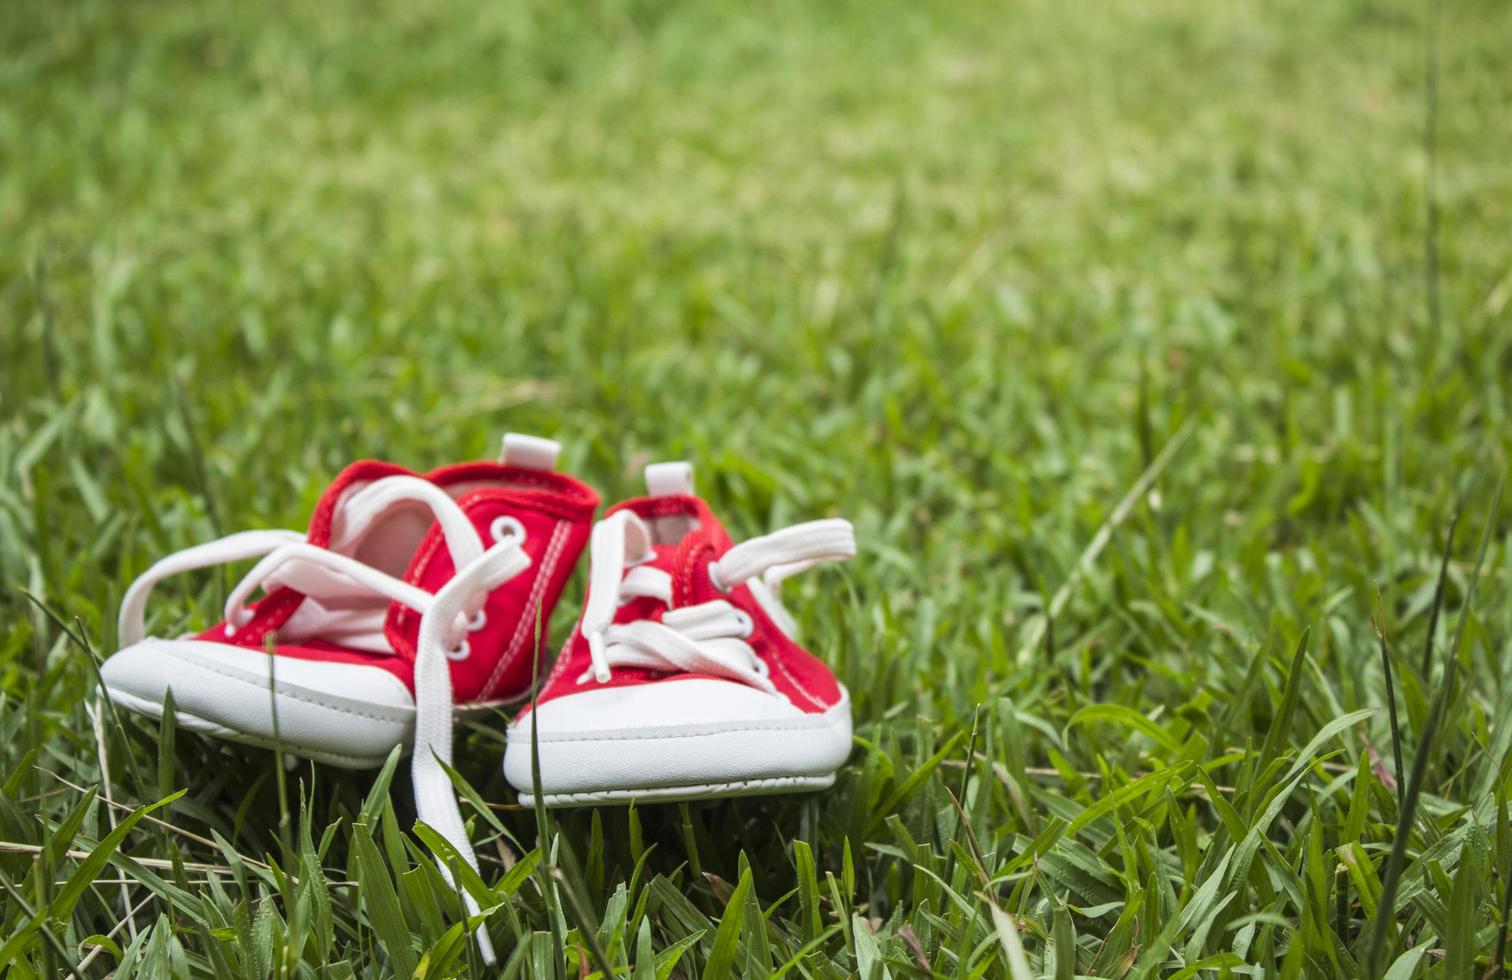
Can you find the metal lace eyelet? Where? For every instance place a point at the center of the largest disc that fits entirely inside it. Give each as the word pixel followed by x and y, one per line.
pixel 477 621
pixel 505 526
pixel 459 652
pixel 237 621
pixel 747 624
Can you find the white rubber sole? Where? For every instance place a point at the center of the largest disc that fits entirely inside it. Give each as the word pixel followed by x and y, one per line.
pixel 348 715
pixel 204 726
pixel 683 794
pixel 711 739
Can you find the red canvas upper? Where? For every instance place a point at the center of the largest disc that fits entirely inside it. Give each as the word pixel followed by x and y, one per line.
pixel 556 512
pixel 806 681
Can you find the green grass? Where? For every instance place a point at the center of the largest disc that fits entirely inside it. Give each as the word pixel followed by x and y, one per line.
pixel 963 273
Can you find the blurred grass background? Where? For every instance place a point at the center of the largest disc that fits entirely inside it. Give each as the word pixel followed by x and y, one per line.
pixel 958 272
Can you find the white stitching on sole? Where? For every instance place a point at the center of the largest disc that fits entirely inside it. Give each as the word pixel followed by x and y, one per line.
pixel 204 726
pixel 696 791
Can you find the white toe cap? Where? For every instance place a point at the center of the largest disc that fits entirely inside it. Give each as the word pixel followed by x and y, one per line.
pixel 345 714
pixel 674 733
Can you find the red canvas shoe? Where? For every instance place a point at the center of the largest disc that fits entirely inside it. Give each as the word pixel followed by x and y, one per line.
pixel 409 596
pixel 683 680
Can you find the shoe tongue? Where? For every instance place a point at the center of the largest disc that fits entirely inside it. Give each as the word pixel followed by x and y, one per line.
pixel 687 537
pixel 669 479
pixel 663 558
pixel 667 486
pixel 384 535
pixel 350 481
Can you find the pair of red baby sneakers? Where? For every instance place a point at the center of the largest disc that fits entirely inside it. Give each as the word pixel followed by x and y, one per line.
pixel 414 596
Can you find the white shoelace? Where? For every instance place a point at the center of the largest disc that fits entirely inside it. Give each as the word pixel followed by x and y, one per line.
pixel 708 638
pixel 331 580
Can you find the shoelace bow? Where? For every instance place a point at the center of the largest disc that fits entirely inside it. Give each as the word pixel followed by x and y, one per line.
pixel 327 578
pixel 707 638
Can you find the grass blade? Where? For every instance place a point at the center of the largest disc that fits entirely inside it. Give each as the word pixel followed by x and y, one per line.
pixel 1391 877
pixel 722 955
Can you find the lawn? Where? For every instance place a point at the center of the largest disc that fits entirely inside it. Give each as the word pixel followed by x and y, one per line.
pixel 1152 347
